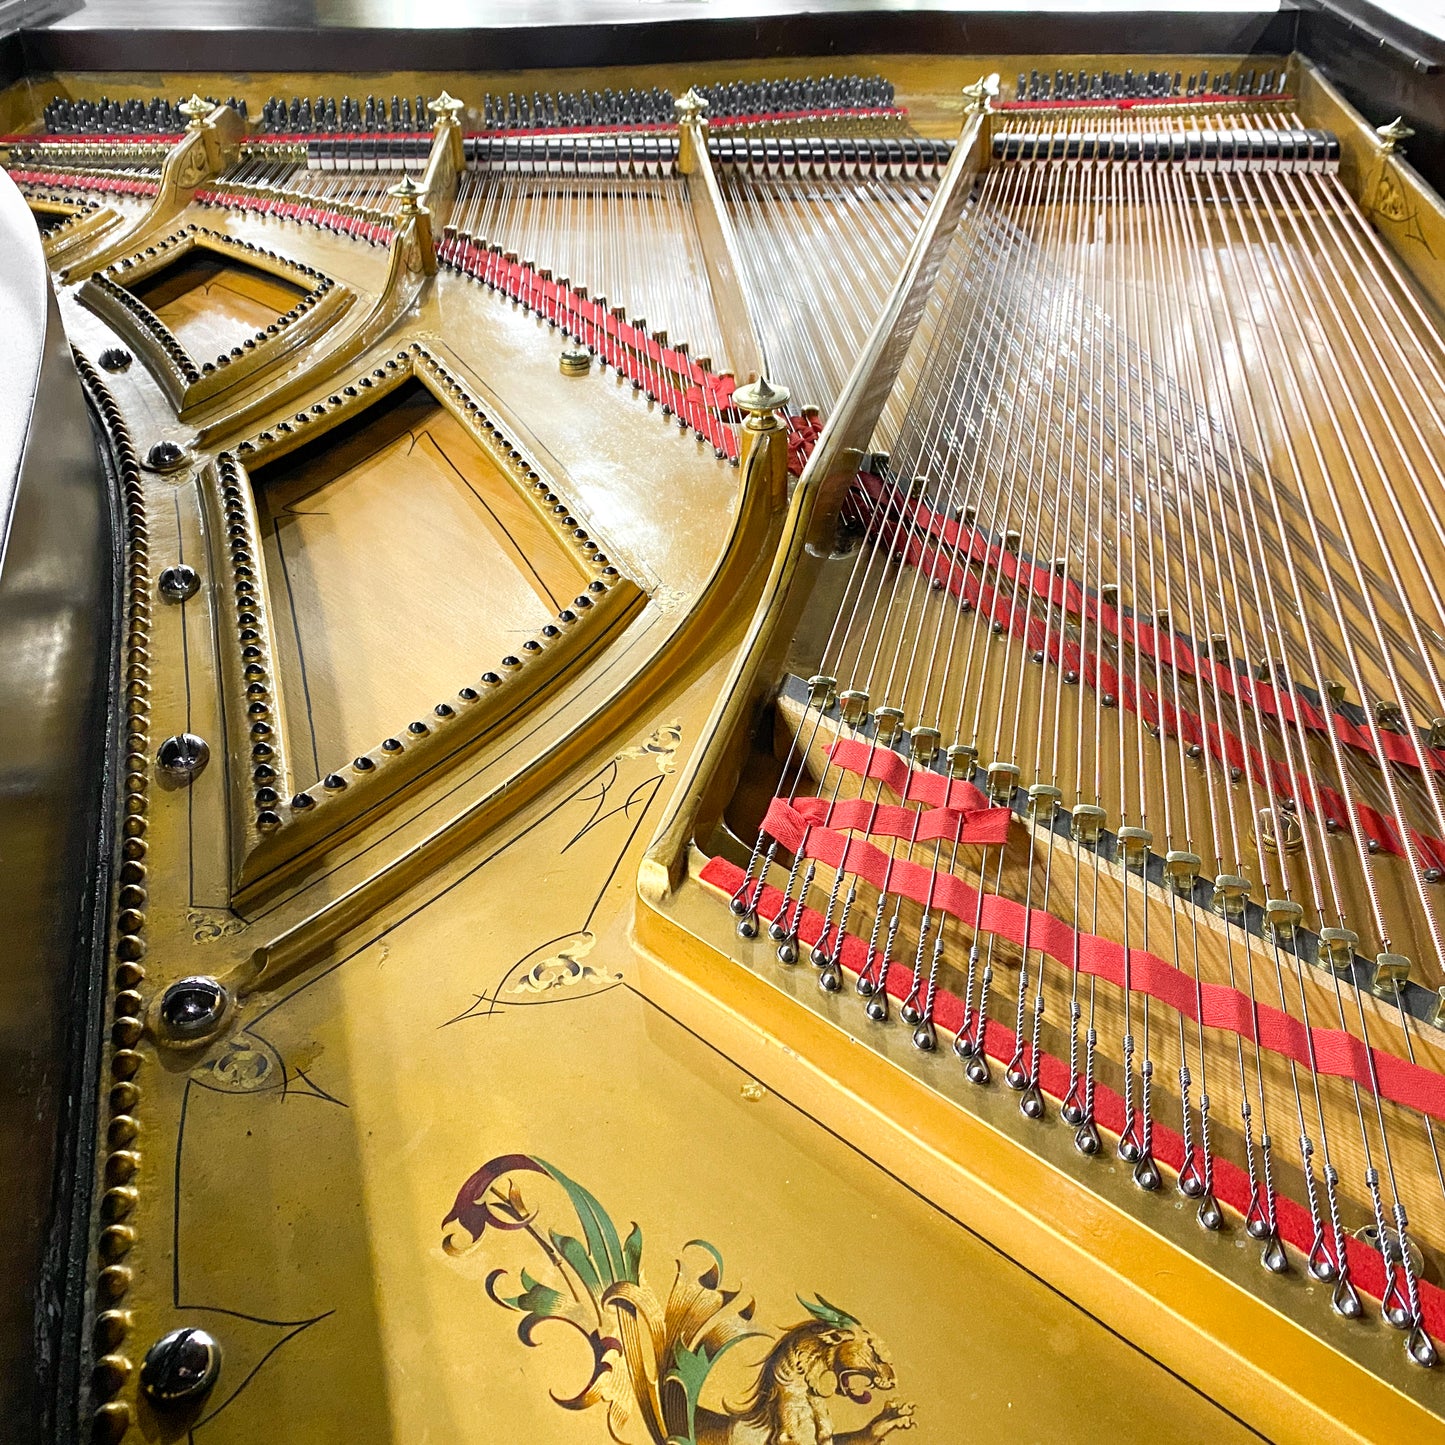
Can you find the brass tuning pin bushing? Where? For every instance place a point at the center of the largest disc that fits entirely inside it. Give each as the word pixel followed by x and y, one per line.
pixel 1391 971
pixel 1003 778
pixel 1282 917
pixel 961 760
pixel 1182 869
pixel 822 691
pixel 1087 823
pixel 853 704
pixel 1134 846
pixel 1337 948
pixel 923 745
pixel 1044 800
pixel 1231 893
pixel 887 724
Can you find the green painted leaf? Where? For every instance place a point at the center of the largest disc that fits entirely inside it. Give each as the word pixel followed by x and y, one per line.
pixel 540 1299
pixel 602 1242
pixel 576 1255
pixel 690 1368
pixel 632 1255
pixel 712 1249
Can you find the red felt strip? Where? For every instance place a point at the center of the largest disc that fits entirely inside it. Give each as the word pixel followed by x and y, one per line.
pixel 701 398
pixel 1105 677
pixel 1141 102
pixel 965 544
pixel 872 761
pixel 1231 1183
pixel 1217 1006
pixel 70 181
pixel 159 139
pixel 375 232
pixel 888 820
pixel 721 123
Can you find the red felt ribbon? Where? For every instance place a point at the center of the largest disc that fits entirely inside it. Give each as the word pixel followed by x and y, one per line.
pixel 116 184
pixel 888 820
pixel 966 544
pixel 1155 711
pixel 1232 1184
pixel 375 232
pixel 1216 1005
pixel 873 761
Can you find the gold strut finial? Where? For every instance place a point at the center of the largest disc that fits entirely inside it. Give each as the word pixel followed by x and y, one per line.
pixel 691 109
pixel 445 107
pixel 407 192
pixel 978 96
pixel 1393 136
pixel 1392 139
pixel 760 397
pixel 196 110
pixel 763 437
pixel 690 106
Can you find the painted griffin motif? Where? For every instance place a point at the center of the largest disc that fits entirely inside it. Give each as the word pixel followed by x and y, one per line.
pixel 651 1356
pixel 811 1364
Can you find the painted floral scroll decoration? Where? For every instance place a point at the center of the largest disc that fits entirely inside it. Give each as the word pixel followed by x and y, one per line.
pixel 652 1357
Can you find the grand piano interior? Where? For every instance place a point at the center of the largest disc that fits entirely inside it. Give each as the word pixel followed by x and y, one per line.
pixel 764 680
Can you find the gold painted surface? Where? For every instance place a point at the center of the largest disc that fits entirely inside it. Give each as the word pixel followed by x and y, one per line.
pixel 361 535
pixel 211 304
pixel 448 1037
pixel 453 978
pixel 333 1131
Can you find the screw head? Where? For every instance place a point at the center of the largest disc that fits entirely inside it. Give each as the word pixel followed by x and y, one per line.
pixel 166 456
pixel 183 755
pixel 180 1367
pixel 192 1006
pixel 178 583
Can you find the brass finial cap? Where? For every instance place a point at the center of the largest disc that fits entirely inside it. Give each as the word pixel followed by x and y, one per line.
pixel 690 106
pixel 195 110
pixel 1393 135
pixel 406 191
pixel 445 107
pixel 761 397
pixel 977 97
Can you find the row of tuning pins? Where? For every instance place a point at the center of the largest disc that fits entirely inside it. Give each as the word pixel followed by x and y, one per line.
pixel 1144 85
pixel 157 116
pixel 328 116
pixel 772 97
pixel 576 109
